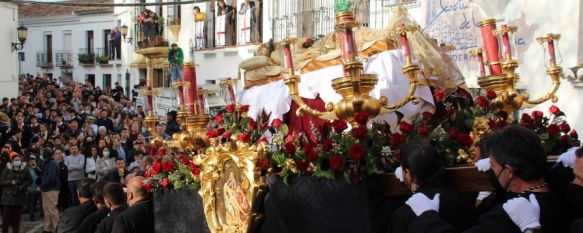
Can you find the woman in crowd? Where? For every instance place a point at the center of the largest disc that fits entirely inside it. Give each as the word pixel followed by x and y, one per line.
pixel 14 180
pixel 230 21
pixel 423 171
pixel 106 163
pixel 33 195
pixel 91 163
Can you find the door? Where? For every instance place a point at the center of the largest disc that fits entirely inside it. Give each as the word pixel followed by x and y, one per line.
pixel 49 48
pixel 106 81
pixel 90 42
pixel 106 45
pixel 90 79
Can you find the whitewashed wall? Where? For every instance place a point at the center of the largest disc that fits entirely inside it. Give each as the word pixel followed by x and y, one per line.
pixel 9 59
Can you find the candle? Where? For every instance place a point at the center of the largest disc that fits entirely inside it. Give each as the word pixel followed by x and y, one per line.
pixel 491 45
pixel 347 45
pixel 150 105
pixel 287 56
pixel 180 96
pixel 189 73
pixel 551 45
pixel 231 91
pixel 200 101
pixel 506 44
pixel 406 49
pixel 481 63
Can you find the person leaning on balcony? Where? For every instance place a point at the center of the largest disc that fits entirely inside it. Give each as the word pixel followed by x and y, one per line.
pixel 175 58
pixel 200 30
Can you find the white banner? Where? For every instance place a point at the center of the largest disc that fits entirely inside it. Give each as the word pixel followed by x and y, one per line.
pixel 220 30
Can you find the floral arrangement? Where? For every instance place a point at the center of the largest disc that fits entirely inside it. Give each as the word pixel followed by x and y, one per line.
pixel 234 124
pixel 172 172
pixel 554 131
pixel 310 41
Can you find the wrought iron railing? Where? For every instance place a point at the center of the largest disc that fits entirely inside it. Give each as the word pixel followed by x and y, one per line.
pixel 86 56
pixel 64 58
pixel 44 59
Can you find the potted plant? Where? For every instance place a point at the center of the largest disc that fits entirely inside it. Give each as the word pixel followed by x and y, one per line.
pixel 103 59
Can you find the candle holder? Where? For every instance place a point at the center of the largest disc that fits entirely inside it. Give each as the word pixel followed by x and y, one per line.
pixel 150 120
pixel 508 99
pixel 192 121
pixel 354 86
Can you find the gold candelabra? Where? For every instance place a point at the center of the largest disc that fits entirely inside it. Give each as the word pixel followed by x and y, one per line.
pixel 508 98
pixel 150 120
pixel 192 123
pixel 354 86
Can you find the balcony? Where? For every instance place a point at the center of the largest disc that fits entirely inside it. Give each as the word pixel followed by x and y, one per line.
pixel 103 56
pixel 44 59
pixel 64 59
pixel 86 57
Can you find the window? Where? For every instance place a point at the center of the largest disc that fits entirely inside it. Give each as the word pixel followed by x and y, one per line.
pixel 174 13
pixel 48 48
pixel 107 44
pixel 90 79
pixel 89 42
pixel 106 81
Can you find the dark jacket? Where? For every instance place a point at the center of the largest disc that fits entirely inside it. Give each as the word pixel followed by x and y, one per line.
pixel 577 226
pixel 107 224
pixel 73 217
pixel 139 218
pixel 90 223
pixel 15 194
pixel 107 123
pixel 50 176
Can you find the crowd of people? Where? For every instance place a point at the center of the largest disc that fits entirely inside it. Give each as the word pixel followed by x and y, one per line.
pixel 73 150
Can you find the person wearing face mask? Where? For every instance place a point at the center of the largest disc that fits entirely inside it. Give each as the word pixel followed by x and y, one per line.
pixel 139 217
pixel 14 180
pixel 115 200
pixel 518 161
pixel 106 163
pixel 423 171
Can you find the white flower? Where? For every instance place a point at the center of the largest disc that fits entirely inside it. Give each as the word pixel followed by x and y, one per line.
pixel 386 151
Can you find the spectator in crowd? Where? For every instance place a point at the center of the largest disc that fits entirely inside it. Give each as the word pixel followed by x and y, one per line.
pixel 175 59
pixel 76 171
pixel 575 191
pixel 105 121
pixel 33 195
pixel 117 42
pixel 64 194
pixel 15 180
pixel 73 217
pixel 230 21
pixel 106 164
pixel 172 125
pixel 50 186
pixel 91 163
pixel 139 217
pixel 114 197
pixel 90 223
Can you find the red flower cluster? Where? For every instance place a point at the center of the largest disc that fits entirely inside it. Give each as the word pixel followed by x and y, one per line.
pixel 244 137
pixel 227 134
pixel 423 130
pixel 360 132
pixel 397 139
pixel 452 133
pixel 335 163
pixel 167 166
pixel 276 123
pixel 156 167
pixel 361 118
pixel 537 116
pixel 565 127
pixel 328 145
pixel 262 140
pixel 438 95
pixel 290 148
pixel 554 110
pixel 262 163
pixel 339 126
pixel 526 119
pixel 230 108
pixel 219 118
pixel 302 165
pixel 427 116
pixel 311 153
pixel 553 130
pixel 491 94
pixel 251 125
pixel 574 134
pixel 464 139
pixel 356 152
pixel 482 101
pixel 212 133
pixel 244 108
pixel 405 127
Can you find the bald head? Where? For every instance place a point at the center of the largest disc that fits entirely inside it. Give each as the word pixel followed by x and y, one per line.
pixel 136 186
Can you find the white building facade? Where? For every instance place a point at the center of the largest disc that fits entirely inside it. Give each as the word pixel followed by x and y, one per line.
pixel 9 60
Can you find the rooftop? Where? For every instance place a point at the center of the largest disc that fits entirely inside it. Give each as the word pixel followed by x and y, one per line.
pixel 45 10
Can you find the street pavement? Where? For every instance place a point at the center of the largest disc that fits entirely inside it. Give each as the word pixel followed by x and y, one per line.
pixel 26 226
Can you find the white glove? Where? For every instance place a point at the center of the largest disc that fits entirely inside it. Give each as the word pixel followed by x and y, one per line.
pixel 482 195
pixel 399 174
pixel 568 158
pixel 483 165
pixel 420 203
pixel 524 213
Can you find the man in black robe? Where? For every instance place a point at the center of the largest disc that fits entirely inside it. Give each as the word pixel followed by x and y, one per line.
pixel 139 217
pixel 114 197
pixel 518 160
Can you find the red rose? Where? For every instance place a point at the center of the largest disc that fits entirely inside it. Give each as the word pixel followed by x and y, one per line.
pixel 405 127
pixel 227 134
pixel 423 130
pixel 464 139
pixel 310 40
pixel 162 151
pixel 276 123
pixel 262 163
pixel 252 125
pixel 397 139
pixel 194 168
pixel 398 155
pixel 263 139
pixel 148 187
pixel 244 108
pixel 482 101
pixel 221 131
pixel 305 45
pixel 452 133
pixel 356 152
pixel 565 139
pixel 491 94
pixel 167 166
pixel 554 110
pixel 156 167
pixel 230 108
pixel 361 118
pixel 339 126
pixel 244 137
pixel 147 174
pixel 219 118
pixel 152 151
pixel 492 124
pixel 360 132
pixel 537 115
pixel 185 160
pixel 311 153
pixel 165 182
pixel 427 116
pixel 526 119
pixel 212 133
pixel 574 134
pixel 553 130
pixel 290 148
pixel 302 165
pixel 565 127
pixel 328 145
pixel 335 163
pixel 501 124
pixel 438 95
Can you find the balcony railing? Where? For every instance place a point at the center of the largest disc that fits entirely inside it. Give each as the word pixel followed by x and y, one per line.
pixel 64 59
pixel 86 56
pixel 44 59
pixel 103 55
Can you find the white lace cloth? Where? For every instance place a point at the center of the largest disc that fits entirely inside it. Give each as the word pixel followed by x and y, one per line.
pixel 273 97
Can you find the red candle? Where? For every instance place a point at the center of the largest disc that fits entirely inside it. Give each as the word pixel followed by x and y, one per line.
pixel 491 45
pixel 150 105
pixel 189 75
pixel 287 56
pixel 231 91
pixel 506 44
pixel 347 45
pixel 481 63
pixel 406 49
pixel 181 96
pixel 200 101
pixel 551 45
